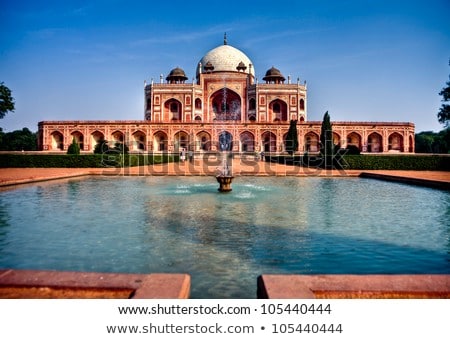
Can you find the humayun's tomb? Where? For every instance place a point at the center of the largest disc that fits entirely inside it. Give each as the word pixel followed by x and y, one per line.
pixel 225 108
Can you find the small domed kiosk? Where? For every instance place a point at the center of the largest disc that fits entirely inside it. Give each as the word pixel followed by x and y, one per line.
pixel 274 76
pixel 176 76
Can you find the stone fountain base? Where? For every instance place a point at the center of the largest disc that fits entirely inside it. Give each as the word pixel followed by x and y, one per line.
pixel 224 182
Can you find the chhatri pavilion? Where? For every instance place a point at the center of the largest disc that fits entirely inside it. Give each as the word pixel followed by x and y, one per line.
pixel 225 108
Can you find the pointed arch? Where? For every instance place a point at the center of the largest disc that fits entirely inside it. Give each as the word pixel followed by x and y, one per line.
pixel 198 104
pixel 96 138
pixel 278 110
pixel 139 141
pixel 395 142
pixel 302 104
pixel 57 141
pixel 181 140
pixel 203 141
pixel 252 104
pixel 173 110
pixel 311 142
pixel 247 140
pixel 354 139
pixel 117 137
pixel 225 141
pixel 160 141
pixel 269 141
pixel 374 142
pixel 226 105
pixel 336 139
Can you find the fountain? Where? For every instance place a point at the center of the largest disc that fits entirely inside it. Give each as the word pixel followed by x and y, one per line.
pixel 224 178
pixel 226 111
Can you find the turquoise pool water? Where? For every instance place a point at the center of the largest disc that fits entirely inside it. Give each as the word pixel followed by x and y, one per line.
pixel 224 241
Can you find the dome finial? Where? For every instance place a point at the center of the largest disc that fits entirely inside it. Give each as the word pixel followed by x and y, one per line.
pixel 225 39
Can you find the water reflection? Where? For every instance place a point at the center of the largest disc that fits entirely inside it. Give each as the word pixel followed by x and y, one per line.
pixel 266 225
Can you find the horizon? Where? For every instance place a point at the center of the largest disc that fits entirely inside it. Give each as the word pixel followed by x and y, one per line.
pixel 80 60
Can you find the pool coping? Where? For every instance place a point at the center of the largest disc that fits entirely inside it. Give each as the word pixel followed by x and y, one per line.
pixel 20 176
pixel 347 286
pixel 425 182
pixel 91 284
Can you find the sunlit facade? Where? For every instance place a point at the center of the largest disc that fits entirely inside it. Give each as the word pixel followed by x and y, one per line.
pixel 225 108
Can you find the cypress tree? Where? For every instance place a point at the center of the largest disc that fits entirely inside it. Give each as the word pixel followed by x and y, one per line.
pixel 292 138
pixel 326 141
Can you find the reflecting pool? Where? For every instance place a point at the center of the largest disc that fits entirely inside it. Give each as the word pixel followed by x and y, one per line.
pixel 225 240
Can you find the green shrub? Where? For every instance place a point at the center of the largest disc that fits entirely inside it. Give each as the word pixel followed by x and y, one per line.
pixel 112 158
pixel 373 162
pixel 352 150
pixel 397 162
pixel 73 148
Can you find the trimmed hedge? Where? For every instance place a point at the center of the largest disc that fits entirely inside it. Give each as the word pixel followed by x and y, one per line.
pixel 83 161
pixel 398 162
pixel 374 162
pixel 357 162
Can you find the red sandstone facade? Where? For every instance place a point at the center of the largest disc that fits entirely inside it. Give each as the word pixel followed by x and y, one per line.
pixel 224 109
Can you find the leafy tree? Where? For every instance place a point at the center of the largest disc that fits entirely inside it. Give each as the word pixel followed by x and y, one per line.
pixel 326 141
pixel 431 142
pixel 74 148
pixel 6 100
pixel 292 138
pixel 19 140
pixel 444 111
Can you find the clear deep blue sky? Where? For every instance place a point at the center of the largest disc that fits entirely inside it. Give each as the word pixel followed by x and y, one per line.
pixel 362 60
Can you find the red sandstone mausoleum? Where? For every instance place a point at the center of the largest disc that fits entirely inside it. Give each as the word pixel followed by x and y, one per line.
pixel 224 109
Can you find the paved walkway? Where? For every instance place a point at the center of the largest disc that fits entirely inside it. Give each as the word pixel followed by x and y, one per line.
pixel 241 167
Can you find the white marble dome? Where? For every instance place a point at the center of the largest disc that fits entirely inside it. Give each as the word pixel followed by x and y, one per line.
pixel 225 58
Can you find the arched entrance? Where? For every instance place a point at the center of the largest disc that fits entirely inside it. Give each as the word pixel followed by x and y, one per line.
pixel 225 141
pixel 247 142
pixel 160 142
pixel 226 105
pixel 96 138
pixel 139 141
pixel 374 143
pixel 278 110
pixel 117 136
pixel 117 139
pixel 203 141
pixel 57 141
pixel 395 142
pixel 181 140
pixel 354 139
pixel 311 142
pixel 336 139
pixel 269 142
pixel 173 110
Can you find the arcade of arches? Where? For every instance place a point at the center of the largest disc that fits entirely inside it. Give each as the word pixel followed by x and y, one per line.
pixel 231 138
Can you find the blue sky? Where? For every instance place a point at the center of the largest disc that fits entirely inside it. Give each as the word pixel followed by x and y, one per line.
pixel 363 60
